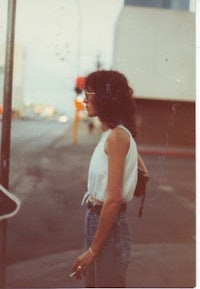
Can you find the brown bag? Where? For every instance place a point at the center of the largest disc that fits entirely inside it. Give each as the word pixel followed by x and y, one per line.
pixel 141 183
pixel 140 189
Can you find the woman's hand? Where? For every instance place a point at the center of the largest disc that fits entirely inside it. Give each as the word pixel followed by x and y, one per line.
pixel 81 263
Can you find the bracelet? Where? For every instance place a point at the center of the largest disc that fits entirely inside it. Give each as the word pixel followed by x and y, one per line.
pixel 90 249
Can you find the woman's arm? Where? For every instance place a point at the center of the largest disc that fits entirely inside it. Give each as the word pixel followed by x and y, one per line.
pixel 116 148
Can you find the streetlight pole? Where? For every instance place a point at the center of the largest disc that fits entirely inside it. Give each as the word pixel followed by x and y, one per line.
pixel 6 128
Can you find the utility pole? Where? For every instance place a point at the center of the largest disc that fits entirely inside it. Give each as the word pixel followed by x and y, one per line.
pixel 6 128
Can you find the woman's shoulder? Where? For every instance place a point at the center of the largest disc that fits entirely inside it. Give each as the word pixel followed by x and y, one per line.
pixel 118 139
pixel 120 133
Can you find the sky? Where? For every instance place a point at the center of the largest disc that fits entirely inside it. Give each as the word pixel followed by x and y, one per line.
pixel 62 39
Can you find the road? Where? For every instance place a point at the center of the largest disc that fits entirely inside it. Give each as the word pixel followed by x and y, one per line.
pixel 49 174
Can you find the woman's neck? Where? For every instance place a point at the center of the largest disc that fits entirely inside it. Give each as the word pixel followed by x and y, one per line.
pixel 104 126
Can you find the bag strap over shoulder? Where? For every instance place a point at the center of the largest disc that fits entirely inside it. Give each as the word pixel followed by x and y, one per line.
pixel 142 165
pixel 144 174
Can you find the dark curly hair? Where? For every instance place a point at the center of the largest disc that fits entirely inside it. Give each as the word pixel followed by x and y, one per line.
pixel 114 99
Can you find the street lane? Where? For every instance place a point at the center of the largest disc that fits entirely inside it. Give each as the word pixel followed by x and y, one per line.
pixel 49 174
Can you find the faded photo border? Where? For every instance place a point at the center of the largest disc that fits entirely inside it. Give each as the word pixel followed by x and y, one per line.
pixel 197 140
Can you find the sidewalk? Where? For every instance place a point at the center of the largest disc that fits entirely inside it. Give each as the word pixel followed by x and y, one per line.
pixel 153 265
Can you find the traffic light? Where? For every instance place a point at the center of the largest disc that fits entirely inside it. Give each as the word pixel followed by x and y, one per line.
pixel 80 82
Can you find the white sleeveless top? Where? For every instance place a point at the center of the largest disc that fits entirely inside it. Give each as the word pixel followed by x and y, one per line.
pixel 98 170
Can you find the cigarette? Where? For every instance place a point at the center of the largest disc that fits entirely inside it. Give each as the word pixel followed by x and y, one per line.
pixel 72 274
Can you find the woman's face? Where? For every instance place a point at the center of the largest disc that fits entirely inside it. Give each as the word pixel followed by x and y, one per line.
pixel 89 103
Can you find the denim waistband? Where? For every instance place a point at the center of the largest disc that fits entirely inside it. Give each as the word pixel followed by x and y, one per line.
pixel 96 209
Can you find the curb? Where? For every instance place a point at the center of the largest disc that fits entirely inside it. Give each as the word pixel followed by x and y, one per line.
pixel 177 152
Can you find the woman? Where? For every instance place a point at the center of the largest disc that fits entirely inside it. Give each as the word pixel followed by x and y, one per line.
pixel 112 179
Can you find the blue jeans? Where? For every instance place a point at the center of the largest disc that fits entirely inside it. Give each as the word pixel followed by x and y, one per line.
pixel 109 271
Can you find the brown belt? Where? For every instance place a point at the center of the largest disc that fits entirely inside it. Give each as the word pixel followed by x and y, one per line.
pixel 96 209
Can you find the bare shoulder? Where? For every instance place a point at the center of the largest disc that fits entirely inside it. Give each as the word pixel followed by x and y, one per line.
pixel 119 140
pixel 119 134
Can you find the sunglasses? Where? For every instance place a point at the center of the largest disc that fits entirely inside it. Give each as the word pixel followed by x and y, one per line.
pixel 89 92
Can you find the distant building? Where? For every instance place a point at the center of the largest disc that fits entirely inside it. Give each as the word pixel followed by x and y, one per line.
pixel 155 49
pixel 165 4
